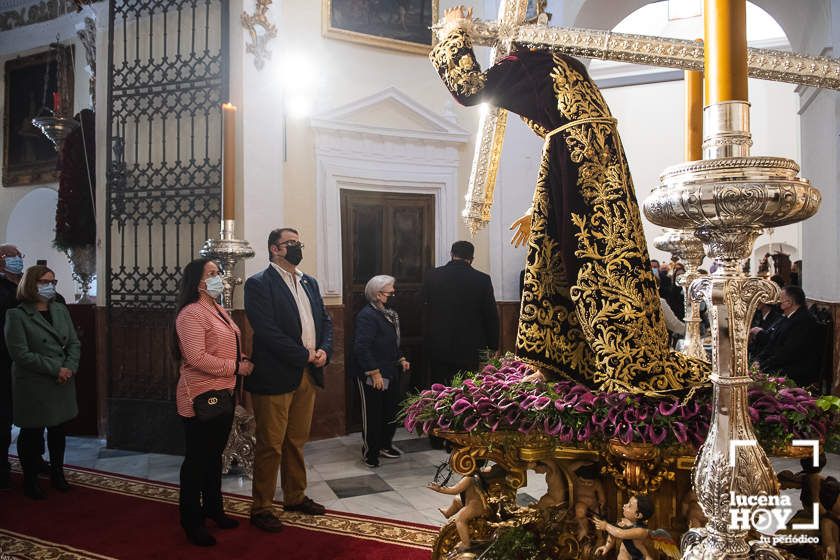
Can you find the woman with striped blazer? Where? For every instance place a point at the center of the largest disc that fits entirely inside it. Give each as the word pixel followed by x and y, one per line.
pixel 208 346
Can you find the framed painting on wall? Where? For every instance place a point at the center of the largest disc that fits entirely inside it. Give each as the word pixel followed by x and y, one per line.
pixel 394 24
pixel 29 158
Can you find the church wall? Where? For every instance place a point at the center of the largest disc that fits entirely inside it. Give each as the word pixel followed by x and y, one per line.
pixel 819 163
pixel 25 41
pixel 348 72
pixel 650 121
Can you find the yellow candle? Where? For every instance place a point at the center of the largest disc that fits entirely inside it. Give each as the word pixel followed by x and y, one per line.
pixel 229 162
pixel 725 55
pixel 693 115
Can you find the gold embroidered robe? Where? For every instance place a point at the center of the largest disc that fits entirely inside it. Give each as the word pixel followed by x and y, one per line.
pixel 590 308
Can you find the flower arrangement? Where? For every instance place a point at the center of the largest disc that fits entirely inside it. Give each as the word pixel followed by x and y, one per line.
pixel 497 399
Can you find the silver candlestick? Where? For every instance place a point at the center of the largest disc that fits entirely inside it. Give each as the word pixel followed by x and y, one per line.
pixel 228 251
pixel 727 199
pixel 688 249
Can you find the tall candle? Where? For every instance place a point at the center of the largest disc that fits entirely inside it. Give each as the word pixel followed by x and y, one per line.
pixel 56 102
pixel 725 55
pixel 229 162
pixel 693 115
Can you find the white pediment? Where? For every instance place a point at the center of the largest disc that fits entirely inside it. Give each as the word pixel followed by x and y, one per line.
pixel 390 113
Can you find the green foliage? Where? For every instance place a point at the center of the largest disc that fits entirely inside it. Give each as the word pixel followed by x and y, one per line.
pixel 517 543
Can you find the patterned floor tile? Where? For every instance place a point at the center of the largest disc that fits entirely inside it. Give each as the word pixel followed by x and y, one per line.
pixel 358 486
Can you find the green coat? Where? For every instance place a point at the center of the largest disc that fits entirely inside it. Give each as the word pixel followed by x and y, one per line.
pixel 38 350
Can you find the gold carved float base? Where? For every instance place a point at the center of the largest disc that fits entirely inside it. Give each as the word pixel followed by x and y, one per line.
pixel 624 470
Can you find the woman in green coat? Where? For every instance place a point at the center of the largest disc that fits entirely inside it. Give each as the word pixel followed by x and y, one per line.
pixel 45 350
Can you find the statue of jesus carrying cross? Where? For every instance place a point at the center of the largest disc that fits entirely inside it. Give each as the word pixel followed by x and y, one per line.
pixel 590 307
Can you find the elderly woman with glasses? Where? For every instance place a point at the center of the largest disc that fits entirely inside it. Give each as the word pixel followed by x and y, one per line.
pixel 45 352
pixel 378 364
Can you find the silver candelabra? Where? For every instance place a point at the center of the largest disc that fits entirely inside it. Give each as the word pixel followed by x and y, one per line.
pixel 727 199
pixel 228 251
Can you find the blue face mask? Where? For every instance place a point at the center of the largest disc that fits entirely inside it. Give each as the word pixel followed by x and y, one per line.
pixel 13 265
pixel 215 286
pixel 46 291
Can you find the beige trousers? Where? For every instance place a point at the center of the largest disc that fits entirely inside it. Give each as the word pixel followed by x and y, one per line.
pixel 282 429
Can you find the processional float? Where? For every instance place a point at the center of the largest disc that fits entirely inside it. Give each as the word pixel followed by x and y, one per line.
pixel 722 201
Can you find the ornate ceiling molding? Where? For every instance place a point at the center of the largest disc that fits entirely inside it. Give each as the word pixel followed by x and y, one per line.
pixel 261 30
pixel 20 14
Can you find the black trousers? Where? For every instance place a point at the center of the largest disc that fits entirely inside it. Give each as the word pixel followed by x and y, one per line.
pixel 379 412
pixel 30 446
pixel 201 471
pixel 5 414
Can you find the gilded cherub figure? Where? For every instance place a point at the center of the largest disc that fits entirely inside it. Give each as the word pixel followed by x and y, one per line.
pixel 824 491
pixel 587 493
pixel 631 534
pixel 471 501
pixel 557 493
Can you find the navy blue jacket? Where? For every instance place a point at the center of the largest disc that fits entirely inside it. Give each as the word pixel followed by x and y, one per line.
pixel 279 355
pixel 375 344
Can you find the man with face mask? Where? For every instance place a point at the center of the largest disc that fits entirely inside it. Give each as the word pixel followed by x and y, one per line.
pixel 11 270
pixel 292 344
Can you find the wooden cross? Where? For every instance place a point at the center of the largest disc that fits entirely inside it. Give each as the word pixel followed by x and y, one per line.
pixel 491 127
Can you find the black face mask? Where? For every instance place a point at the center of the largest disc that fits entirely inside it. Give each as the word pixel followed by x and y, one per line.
pixel 294 254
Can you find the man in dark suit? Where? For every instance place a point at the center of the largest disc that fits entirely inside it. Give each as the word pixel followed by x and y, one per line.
pixel 461 315
pixel 11 270
pixel 790 345
pixel 292 344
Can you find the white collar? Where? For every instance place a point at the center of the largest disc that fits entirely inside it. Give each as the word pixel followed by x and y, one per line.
pixel 298 274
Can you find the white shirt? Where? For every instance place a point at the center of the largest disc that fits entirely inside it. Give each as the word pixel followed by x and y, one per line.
pixel 307 323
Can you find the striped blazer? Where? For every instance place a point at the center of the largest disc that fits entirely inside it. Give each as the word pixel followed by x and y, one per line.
pixel 208 340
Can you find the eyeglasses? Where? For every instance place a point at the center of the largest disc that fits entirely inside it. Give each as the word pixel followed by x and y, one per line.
pixel 291 244
pixel 389 294
pixel 46 282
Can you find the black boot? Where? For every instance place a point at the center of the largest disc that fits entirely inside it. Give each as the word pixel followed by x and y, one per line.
pixel 58 480
pixel 27 446
pixel 31 488
pixel 223 521
pixel 56 444
pixel 199 536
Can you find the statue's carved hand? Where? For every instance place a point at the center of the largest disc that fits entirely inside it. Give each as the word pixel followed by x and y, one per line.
pixel 457 13
pixel 521 229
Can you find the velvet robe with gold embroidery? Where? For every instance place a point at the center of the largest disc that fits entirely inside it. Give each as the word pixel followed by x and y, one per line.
pixel 590 307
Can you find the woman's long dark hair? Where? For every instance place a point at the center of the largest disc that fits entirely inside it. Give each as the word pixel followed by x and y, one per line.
pixel 187 294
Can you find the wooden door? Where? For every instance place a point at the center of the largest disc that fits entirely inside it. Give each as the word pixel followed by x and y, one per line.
pixel 386 233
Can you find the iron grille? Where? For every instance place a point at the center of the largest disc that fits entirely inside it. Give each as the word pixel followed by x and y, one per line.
pixel 167 80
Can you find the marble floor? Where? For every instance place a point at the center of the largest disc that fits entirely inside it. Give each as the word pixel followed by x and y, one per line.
pixel 336 476
pixel 338 479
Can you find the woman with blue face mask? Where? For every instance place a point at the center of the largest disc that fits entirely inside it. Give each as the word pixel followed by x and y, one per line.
pixel 45 350
pixel 208 345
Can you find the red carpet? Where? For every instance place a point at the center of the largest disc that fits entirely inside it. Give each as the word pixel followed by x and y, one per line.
pixel 111 516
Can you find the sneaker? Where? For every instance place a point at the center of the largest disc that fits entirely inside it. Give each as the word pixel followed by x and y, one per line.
pixel 370 464
pixel 392 453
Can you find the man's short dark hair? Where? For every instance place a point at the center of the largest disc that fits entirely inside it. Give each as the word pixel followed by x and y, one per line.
pixel 654 261
pixel 463 250
pixel 275 236
pixel 796 294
